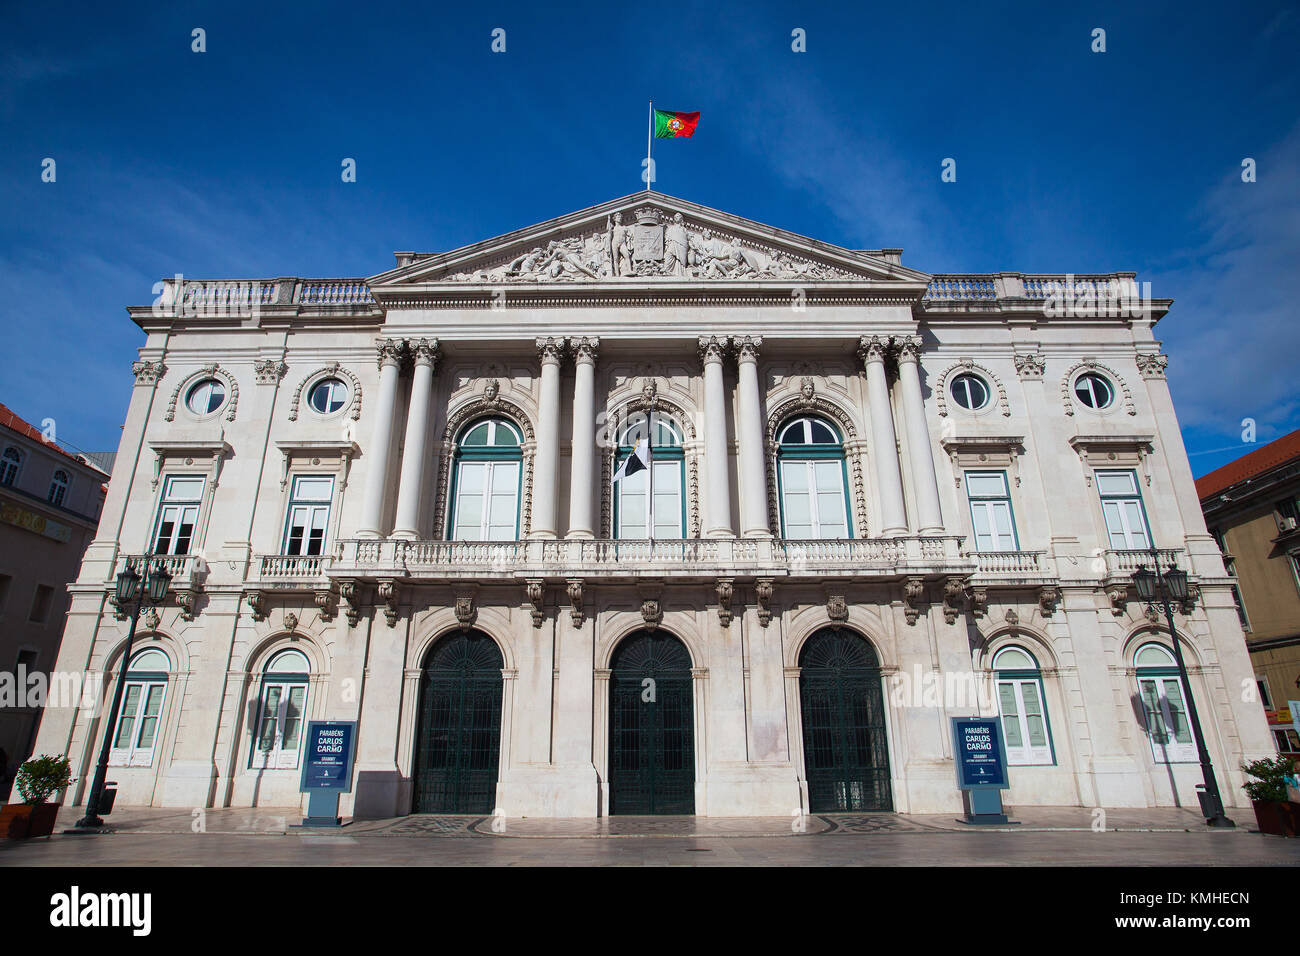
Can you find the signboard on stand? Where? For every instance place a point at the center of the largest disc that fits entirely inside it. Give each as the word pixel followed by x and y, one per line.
pixel 980 755
pixel 327 769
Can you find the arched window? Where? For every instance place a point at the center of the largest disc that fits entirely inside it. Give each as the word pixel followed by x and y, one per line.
pixel 1020 702
pixel 485 495
pixel 282 703
pixel 1164 705
pixel 9 463
pixel 136 733
pixel 58 488
pixel 810 466
pixel 632 485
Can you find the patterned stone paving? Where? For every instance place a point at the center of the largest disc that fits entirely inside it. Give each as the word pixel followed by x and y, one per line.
pixel 875 823
pixel 417 825
pixel 633 826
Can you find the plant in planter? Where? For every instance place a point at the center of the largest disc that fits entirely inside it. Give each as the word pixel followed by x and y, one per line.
pixel 37 779
pixel 1267 791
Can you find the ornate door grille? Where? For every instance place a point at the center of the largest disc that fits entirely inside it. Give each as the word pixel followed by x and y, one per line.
pixel 651 727
pixel 459 744
pixel 846 757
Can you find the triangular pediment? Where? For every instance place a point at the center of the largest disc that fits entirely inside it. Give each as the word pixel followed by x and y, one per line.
pixel 644 238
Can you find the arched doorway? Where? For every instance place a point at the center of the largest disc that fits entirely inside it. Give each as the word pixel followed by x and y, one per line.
pixel 651 726
pixel 845 749
pixel 458 737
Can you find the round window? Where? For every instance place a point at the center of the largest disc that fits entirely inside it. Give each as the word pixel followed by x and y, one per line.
pixel 1093 390
pixel 206 396
pixel 969 391
pixel 328 395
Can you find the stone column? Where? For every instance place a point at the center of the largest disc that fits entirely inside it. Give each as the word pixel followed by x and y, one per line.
pixel 582 507
pixel 893 517
pixel 410 490
pixel 749 436
pixel 390 353
pixel 918 437
pixel 717 513
pixel 546 463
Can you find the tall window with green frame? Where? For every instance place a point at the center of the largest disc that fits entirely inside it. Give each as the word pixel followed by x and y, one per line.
pixel 485 485
pixel 1121 506
pixel 811 472
pixel 632 494
pixel 990 511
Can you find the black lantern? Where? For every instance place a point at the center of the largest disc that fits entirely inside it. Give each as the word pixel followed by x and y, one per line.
pixel 160 580
pixel 1176 582
pixel 128 585
pixel 1144 581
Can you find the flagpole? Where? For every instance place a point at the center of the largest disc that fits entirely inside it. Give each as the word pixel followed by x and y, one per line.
pixel 649 138
pixel 650 454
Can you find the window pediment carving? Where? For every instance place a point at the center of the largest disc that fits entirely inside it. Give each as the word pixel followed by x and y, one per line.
pixel 984 451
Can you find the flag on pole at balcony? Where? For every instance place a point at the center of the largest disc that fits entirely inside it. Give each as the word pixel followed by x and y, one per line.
pixel 636 462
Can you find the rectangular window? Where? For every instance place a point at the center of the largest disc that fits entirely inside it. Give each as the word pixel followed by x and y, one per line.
pixel 1265 698
pixel 178 513
pixel 1288 514
pixel 487 501
pixel 1121 505
pixel 990 511
pixel 1166 720
pixel 812 499
pixel 633 506
pixel 1024 724
pixel 279 729
pixel 41 601
pixel 1288 741
pixel 309 513
pixel 137 724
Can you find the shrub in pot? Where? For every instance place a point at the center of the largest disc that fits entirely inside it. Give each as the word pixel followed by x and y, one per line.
pixel 37 780
pixel 1267 791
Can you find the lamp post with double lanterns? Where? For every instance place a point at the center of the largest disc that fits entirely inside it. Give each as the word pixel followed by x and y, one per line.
pixel 1153 586
pixel 131 591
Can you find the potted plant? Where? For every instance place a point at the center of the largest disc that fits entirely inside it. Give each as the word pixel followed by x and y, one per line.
pixel 1267 791
pixel 37 779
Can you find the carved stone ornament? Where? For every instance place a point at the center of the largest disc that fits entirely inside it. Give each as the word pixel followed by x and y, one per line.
pixel 550 349
pixel 652 245
pixel 290 622
pixel 1118 595
pixel 257 604
pixel 152 619
pixel 873 348
pixel 1049 598
pixel 536 591
pixel 763 590
pixel 425 352
pixel 652 613
pixel 1152 364
pixel 978 598
pixel 1011 617
pixel 747 346
pixel 348 591
pixel 913 595
pixel 649 392
pixel 147 373
pixel 1193 598
pixel 807 387
pixel 585 348
pixel 186 599
pixel 491 391
pixel 726 590
pixel 390 352
pixel 268 371
pixel 954 596
pixel 327 602
pixel 466 611
pixel 1030 365
pixel 713 348
pixel 387 594
pixel 574 592
pixel 837 608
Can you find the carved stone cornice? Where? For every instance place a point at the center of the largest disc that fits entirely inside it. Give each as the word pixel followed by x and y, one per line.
pixel 712 348
pixel 148 373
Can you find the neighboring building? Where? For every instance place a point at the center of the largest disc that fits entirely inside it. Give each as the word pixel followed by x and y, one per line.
pixel 1252 508
pixel 50 502
pixel 876 492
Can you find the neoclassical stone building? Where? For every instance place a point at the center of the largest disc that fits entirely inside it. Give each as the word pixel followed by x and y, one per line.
pixel 881 498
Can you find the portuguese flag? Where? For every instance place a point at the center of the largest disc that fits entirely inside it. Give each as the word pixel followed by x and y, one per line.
pixel 669 125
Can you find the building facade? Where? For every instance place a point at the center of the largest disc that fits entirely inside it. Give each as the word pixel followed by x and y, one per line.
pixel 1252 508
pixel 50 502
pixel 880 499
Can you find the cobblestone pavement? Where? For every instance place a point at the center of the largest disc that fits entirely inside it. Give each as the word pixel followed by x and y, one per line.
pixel 1061 836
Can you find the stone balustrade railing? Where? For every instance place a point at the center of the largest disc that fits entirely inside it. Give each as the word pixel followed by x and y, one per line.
pixel 244 297
pixel 1010 563
pixel 182 567
pixel 292 567
pixel 1122 563
pixel 333 292
pixel 676 557
pixel 1036 287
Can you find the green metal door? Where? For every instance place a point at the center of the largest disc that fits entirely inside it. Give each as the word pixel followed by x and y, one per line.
pixel 459 744
pixel 651 727
pixel 846 756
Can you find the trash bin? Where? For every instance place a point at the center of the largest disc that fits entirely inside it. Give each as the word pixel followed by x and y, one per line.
pixel 106 801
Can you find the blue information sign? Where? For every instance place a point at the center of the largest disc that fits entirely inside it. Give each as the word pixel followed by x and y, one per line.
pixel 980 755
pixel 327 764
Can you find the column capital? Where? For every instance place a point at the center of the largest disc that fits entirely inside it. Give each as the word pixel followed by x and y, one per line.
pixel 747 347
pixel 425 351
pixel 584 347
pixel 909 347
pixel 872 348
pixel 550 349
pixel 390 352
pixel 712 348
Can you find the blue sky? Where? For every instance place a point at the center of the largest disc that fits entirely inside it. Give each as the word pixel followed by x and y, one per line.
pixel 227 163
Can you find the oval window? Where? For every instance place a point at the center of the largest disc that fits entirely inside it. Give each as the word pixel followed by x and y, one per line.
pixel 328 395
pixel 969 391
pixel 1093 390
pixel 206 396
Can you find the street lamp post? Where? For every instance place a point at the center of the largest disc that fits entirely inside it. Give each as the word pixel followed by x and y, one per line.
pixel 131 591
pixel 1172 583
